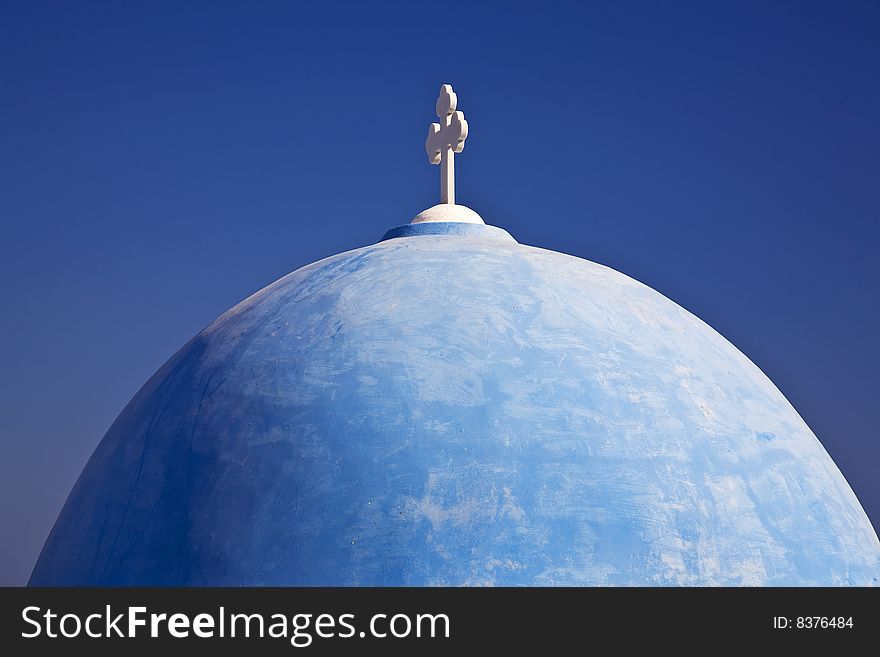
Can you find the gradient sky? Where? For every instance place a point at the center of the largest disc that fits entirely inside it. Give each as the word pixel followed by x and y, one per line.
pixel 161 161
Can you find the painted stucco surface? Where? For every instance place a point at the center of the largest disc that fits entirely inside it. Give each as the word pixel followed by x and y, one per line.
pixel 459 409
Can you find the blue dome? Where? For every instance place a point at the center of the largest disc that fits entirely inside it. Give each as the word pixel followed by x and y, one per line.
pixel 449 407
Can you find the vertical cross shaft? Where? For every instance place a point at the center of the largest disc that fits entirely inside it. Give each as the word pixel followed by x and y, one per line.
pixel 447 176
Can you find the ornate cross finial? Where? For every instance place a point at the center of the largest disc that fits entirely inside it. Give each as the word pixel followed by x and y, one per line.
pixel 445 139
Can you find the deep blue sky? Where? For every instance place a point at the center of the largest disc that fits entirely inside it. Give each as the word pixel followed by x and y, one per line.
pixel 161 161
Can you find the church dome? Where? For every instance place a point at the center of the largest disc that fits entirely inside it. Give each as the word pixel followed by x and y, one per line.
pixel 450 407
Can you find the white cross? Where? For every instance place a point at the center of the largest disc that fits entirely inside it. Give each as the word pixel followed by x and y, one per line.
pixel 445 139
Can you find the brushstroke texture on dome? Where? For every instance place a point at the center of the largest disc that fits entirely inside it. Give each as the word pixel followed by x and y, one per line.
pixel 447 409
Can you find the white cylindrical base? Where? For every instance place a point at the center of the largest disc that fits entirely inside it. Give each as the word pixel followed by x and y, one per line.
pixel 448 212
